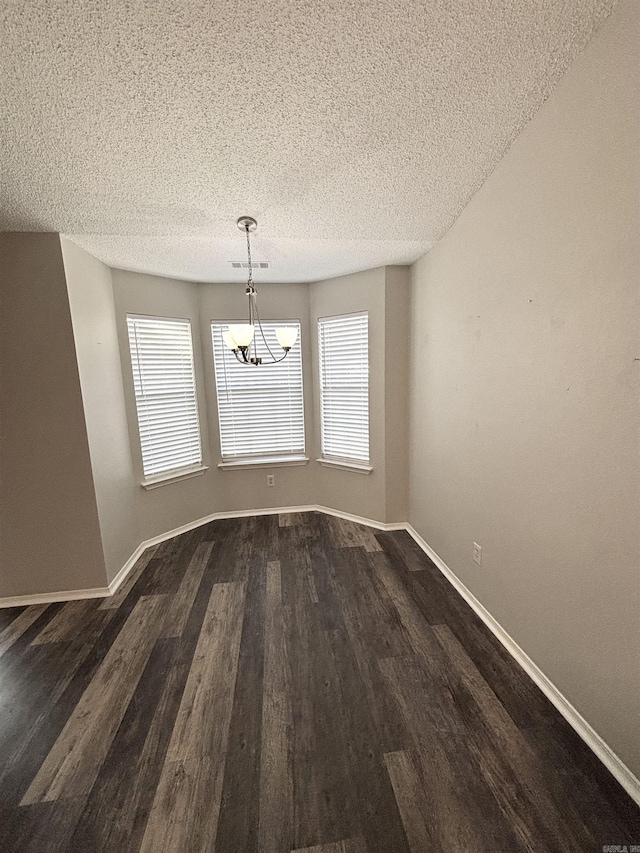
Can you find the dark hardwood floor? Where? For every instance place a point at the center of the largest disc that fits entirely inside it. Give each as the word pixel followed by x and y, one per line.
pixel 286 683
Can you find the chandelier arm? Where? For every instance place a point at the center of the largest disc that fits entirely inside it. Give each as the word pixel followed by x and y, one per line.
pixel 282 358
pixel 275 360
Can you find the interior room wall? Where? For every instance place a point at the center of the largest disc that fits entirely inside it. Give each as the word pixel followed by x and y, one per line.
pixel 224 490
pixel 524 388
pixel 172 504
pixel 98 357
pixel 352 491
pixel 49 528
pixel 396 357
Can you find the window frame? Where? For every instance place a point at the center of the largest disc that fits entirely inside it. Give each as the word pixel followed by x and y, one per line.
pixel 155 479
pixel 260 459
pixel 349 463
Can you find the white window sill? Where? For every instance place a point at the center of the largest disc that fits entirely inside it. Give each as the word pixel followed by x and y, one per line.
pixel 173 476
pixel 263 462
pixel 360 467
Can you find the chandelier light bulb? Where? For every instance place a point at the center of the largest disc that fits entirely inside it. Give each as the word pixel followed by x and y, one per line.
pixel 227 337
pixel 241 334
pixel 287 336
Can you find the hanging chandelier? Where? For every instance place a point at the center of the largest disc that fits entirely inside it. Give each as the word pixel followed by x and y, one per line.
pixel 241 338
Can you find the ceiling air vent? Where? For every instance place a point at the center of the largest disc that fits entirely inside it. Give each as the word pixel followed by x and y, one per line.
pixel 257 265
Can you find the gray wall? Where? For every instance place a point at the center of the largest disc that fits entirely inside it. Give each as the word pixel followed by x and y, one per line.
pixel 384 293
pixel 172 505
pixel 524 388
pixel 382 495
pixel 49 529
pixel 397 322
pixel 98 357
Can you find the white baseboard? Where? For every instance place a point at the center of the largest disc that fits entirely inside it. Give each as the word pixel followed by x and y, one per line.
pixel 52 597
pixel 615 765
pixel 359 519
pixel 124 571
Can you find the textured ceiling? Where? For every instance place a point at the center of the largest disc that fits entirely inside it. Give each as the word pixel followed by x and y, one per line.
pixel 354 132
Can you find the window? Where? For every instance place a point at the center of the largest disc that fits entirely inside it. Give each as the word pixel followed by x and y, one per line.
pixel 343 346
pixel 260 409
pixel 165 391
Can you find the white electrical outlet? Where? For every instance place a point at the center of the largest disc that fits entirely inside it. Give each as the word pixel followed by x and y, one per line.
pixel 271 479
pixel 477 554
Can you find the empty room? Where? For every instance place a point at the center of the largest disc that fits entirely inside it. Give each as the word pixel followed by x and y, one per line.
pixel 319 426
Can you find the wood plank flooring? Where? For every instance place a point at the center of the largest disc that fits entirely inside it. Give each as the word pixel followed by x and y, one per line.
pixel 285 684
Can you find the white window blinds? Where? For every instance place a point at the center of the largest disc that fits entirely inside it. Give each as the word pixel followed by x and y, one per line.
pixel 343 346
pixel 260 408
pixel 165 391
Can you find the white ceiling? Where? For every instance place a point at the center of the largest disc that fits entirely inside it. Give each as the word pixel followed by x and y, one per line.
pixel 354 132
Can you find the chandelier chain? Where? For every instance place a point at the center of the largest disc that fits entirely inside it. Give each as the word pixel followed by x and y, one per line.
pixel 250 281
